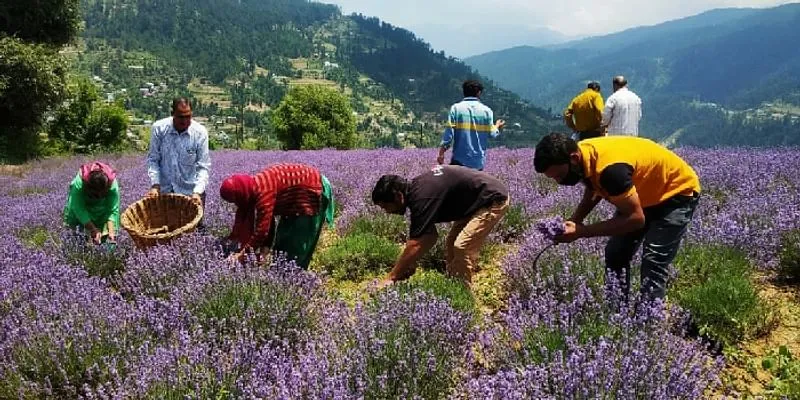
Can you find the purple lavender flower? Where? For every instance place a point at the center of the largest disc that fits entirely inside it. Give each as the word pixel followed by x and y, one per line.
pixel 551 227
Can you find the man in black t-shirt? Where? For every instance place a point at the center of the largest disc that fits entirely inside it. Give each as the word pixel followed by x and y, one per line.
pixel 475 201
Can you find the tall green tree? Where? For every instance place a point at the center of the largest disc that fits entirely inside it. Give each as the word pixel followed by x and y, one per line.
pixel 315 117
pixel 31 82
pixel 31 70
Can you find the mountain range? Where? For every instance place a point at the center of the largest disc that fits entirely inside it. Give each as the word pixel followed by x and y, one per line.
pixel 735 70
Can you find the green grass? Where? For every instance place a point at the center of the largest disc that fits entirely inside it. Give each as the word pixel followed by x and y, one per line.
pixel 715 285
pixel 34 237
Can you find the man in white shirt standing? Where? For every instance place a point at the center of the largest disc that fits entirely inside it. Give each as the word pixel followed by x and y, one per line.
pixel 623 110
pixel 178 160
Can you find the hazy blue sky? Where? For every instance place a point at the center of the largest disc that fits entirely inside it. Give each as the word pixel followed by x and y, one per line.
pixel 440 21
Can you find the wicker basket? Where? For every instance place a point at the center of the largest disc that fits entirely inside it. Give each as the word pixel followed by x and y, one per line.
pixel 158 220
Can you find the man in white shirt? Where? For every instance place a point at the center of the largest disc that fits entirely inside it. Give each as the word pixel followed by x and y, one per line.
pixel 178 159
pixel 623 110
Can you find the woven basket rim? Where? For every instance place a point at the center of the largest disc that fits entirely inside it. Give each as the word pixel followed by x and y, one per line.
pixel 160 236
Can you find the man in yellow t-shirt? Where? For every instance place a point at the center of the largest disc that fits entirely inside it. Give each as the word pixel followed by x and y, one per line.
pixel 654 190
pixel 585 113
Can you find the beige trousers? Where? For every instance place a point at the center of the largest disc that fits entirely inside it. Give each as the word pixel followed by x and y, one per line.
pixel 466 238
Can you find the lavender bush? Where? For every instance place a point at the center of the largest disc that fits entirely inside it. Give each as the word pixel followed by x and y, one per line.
pixel 176 321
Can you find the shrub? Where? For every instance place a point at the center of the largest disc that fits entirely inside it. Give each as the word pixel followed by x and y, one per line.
pixel 453 291
pixel 353 256
pixel 407 345
pixel 275 304
pixel 388 226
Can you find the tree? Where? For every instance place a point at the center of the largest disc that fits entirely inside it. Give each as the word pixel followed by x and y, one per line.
pixel 85 124
pixel 31 81
pixel 31 70
pixel 54 22
pixel 315 117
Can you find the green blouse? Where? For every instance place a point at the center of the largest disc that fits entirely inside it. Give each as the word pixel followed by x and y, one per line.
pixel 80 208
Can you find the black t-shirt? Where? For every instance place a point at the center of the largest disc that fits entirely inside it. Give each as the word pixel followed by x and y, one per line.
pixel 450 193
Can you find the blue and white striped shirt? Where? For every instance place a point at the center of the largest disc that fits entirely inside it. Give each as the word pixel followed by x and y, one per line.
pixel 469 125
pixel 179 162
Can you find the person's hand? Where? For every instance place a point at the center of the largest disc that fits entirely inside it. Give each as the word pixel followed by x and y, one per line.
pixel 96 236
pixel 236 257
pixel 440 159
pixel 383 283
pixel 154 191
pixel 572 232
pixel 196 199
pixel 500 123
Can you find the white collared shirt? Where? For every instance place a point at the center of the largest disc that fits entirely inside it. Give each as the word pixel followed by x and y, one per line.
pixel 179 162
pixel 622 113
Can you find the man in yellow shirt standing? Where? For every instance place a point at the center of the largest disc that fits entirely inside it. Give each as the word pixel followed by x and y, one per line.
pixel 585 113
pixel 654 190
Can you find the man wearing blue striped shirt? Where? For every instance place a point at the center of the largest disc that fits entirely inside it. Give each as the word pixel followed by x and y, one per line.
pixel 178 160
pixel 469 126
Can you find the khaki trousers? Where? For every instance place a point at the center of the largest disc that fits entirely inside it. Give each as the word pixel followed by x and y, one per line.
pixel 466 238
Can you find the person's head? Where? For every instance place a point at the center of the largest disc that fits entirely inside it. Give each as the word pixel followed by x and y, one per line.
pixel 97 185
pixel 557 157
pixel 238 189
pixel 390 194
pixel 594 85
pixel 181 114
pixel 472 88
pixel 619 82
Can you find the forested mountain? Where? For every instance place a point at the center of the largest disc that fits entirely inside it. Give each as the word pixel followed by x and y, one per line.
pixel 729 76
pixel 248 47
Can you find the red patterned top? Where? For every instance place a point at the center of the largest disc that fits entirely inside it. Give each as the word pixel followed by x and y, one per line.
pixel 286 190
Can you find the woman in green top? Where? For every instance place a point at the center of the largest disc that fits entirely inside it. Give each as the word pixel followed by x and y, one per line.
pixel 93 202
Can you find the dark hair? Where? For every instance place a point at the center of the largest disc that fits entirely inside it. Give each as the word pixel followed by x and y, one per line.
pixel 386 188
pixel 98 181
pixel 594 85
pixel 553 149
pixel 620 81
pixel 471 88
pixel 178 101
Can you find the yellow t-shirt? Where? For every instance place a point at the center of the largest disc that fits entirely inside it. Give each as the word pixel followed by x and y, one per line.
pixel 586 111
pixel 619 166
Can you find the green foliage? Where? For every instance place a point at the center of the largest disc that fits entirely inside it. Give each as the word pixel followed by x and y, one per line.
pixel 104 260
pixel 514 223
pixel 388 226
pixel 455 292
pixel 785 370
pixel 53 22
pixel 314 117
pixel 64 366
pixel 269 309
pixel 32 82
pixel 86 124
pixel 714 285
pixel 353 256
pixel 34 237
pixel 789 255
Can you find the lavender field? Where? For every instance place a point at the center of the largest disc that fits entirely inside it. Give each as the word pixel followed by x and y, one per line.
pixel 178 322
